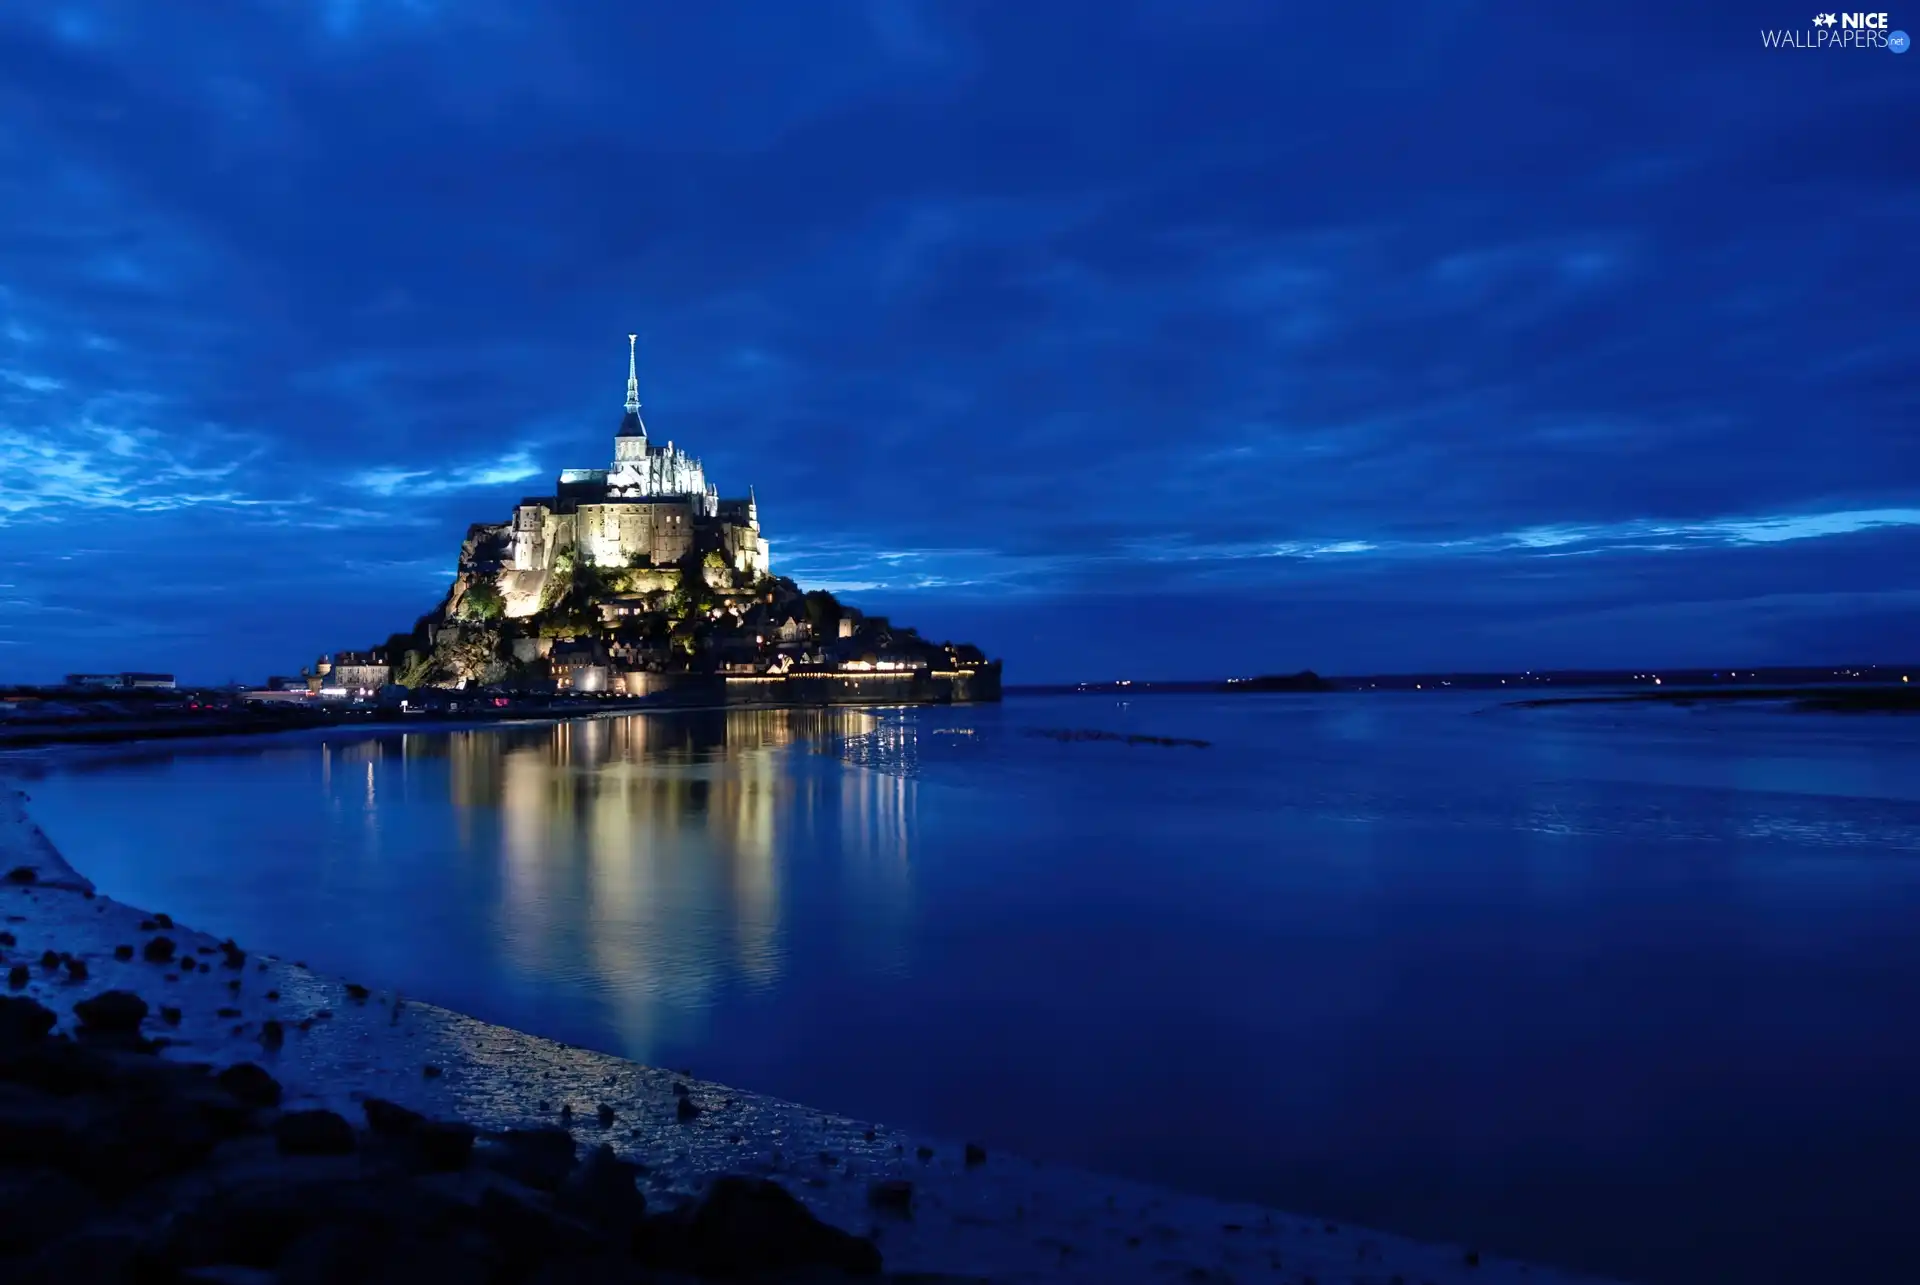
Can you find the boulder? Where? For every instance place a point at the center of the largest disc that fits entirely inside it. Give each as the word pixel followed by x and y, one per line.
pixel 537 1158
pixel 314 1133
pixel 112 1012
pixel 747 1226
pixel 23 1021
pixel 250 1084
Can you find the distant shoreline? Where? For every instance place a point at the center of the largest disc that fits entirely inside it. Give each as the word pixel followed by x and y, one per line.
pixel 1823 700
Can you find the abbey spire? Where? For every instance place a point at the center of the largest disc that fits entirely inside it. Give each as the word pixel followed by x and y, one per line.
pixel 633 377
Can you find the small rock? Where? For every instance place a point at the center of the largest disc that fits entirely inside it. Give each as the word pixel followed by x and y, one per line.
pixel 23 874
pixel 601 1189
pixel 49 959
pixel 893 1194
pixel 357 993
pixel 250 1084
pixel 18 976
pixel 112 1012
pixel 540 1158
pixel 313 1133
pixel 273 994
pixel 7 939
pixel 123 953
pixel 443 1146
pixel 976 1155
pixel 430 1072
pixel 686 1110
pixel 227 1012
pixel 170 1015
pixel 390 1119
pixel 234 986
pixel 272 1034
pixel 77 970
pixel 158 950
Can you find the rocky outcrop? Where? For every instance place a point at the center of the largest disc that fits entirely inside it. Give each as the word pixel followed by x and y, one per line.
pixel 119 1165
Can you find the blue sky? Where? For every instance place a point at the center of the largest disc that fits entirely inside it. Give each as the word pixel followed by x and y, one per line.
pixel 1134 338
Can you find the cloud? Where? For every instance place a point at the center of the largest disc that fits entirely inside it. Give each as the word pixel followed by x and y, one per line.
pixel 517 466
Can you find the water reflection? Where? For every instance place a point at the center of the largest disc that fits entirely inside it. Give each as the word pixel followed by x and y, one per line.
pixel 641 854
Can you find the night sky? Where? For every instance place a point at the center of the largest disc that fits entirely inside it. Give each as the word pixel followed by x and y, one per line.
pixel 1140 338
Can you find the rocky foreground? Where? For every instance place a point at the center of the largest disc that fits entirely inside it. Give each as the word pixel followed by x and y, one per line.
pixel 118 1165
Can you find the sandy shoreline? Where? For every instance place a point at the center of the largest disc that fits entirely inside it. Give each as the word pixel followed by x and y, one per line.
pixel 1006 1220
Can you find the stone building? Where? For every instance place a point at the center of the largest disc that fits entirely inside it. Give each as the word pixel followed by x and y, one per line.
pixel 651 507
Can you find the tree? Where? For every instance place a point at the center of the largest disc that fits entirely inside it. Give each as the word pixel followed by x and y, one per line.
pixel 483 602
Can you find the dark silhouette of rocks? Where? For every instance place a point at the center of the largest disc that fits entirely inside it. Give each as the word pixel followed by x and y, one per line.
pixel 251 1084
pixel 49 959
pixel 357 993
pixel 123 953
pixel 390 1119
pixel 537 1158
pixel 314 1133
pixel 747 1227
pixel 158 950
pixel 76 970
pixel 163 919
pixel 112 1011
pixel 894 1195
pixel 18 976
pixel 23 1021
pixel 23 874
pixel 272 1033
pixel 117 1165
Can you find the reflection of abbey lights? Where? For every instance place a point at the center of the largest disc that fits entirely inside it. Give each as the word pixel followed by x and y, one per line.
pixel 650 860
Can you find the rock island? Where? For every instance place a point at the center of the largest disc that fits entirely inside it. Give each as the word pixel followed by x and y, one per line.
pixel 639 580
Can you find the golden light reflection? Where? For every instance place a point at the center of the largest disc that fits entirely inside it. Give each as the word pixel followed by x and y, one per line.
pixel 648 850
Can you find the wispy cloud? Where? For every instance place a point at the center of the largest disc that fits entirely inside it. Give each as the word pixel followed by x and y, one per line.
pixel 517 466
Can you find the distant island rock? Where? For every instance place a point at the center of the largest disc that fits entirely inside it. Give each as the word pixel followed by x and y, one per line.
pixel 1304 681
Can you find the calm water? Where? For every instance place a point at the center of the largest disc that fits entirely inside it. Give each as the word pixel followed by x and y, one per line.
pixel 1632 990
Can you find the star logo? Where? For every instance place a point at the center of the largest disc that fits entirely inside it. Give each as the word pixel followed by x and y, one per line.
pixel 1824 20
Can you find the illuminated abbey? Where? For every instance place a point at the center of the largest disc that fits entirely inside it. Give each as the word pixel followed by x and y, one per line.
pixel 652 507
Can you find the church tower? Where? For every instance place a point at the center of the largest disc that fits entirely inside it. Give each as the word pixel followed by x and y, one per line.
pixel 631 441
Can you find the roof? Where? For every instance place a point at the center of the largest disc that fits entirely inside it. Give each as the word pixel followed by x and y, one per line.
pixel 631 425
